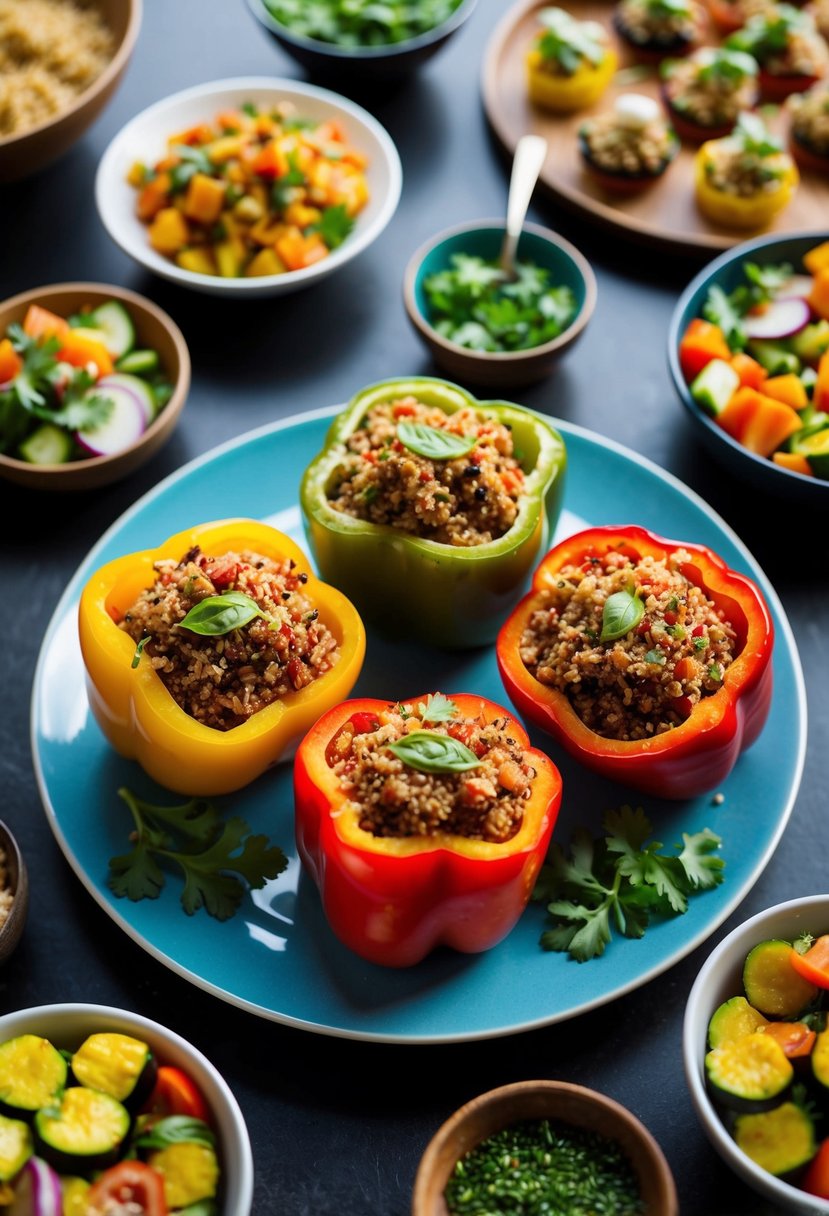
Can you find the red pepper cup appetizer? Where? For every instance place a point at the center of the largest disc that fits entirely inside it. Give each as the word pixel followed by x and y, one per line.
pixel 648 659
pixel 423 823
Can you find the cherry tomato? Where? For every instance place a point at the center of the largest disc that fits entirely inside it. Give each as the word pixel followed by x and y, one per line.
pixel 176 1094
pixel 130 1188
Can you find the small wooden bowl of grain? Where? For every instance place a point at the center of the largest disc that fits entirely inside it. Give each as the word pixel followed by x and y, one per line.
pixel 14 893
pixel 60 62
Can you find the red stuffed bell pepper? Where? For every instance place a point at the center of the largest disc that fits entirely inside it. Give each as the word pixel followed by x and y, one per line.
pixel 397 876
pixel 665 683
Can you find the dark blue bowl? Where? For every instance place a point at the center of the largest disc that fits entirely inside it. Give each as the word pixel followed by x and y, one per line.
pixel 726 271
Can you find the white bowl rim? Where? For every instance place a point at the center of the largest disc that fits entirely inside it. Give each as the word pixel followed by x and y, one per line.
pixel 243 1189
pixel 503 356
pixel 286 88
pixel 693 1052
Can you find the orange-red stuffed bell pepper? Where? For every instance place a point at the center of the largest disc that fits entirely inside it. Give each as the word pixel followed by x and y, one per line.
pixel 648 659
pixel 134 707
pixel 423 824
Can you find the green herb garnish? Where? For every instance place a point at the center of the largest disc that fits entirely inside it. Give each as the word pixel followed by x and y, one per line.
pixel 622 612
pixel 427 751
pixel 334 225
pixel 217 615
pixel 569 42
pixel 437 708
pixel 282 189
pixel 192 161
pixel 433 442
pixel 205 848
pixel 139 650
pixel 620 880
pixel 352 23
pixel 174 1129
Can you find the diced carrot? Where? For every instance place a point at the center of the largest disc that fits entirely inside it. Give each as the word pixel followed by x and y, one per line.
pixel 735 415
pixel 820 395
pixel 169 231
pixel 818 299
pixel 78 349
pixel 817 259
pixel 153 197
pixel 10 362
pixel 701 342
pixel 270 161
pixel 788 389
pixel 685 669
pixel 204 198
pixel 233 120
pixel 41 323
pixel 814 964
pixel 192 136
pixel 298 251
pixel 793 461
pixel 768 425
pixel 796 1038
pixel 751 373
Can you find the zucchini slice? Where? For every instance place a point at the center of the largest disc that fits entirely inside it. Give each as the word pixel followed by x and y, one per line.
pixel 32 1074
pixel 771 983
pixel 190 1172
pixel 780 1140
pixel 734 1019
pixel 116 1064
pixel 16 1146
pixel 85 1132
pixel 820 1059
pixel 750 1074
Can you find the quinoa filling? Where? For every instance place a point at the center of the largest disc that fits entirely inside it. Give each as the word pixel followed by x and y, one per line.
pixel 463 501
pixel 651 22
pixel 631 151
pixel 221 681
pixel 648 680
pixel 706 98
pixel 394 799
pixel 810 120
pixel 732 169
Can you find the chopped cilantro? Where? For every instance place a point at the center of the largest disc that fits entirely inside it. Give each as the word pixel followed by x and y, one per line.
pixel 352 23
pixel 334 225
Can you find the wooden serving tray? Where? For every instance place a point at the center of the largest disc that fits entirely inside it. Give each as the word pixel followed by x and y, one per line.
pixel 665 213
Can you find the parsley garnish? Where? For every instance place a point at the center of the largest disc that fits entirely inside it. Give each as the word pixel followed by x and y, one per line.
pixel 191 161
pixel 334 225
pixel 282 189
pixel 205 848
pixel 361 22
pixel 437 708
pixel 620 880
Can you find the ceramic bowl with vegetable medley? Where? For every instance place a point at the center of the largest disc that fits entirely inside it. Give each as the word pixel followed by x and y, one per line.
pixel 748 351
pixel 93 380
pixel 755 1050
pixel 481 328
pixel 248 187
pixel 104 1109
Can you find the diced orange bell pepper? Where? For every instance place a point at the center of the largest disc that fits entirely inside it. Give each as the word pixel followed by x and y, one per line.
pixel 270 161
pixel 41 323
pixel 793 461
pixel 817 259
pixel 169 231
pixel 298 251
pixel 153 196
pixel 79 349
pixel 820 395
pixel 752 374
pixel 734 417
pixel 788 388
pixel 701 342
pixel 204 198
pixel 814 964
pixel 818 299
pixel 10 362
pixel 758 422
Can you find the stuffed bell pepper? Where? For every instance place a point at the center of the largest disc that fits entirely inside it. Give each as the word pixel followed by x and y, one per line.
pixel 429 509
pixel 649 660
pixel 423 823
pixel 208 657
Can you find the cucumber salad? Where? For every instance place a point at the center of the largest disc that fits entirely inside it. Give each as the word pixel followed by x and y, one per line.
pixel 76 387
pixel 757 361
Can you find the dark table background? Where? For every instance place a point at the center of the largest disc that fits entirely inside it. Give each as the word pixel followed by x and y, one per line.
pixel 338 1126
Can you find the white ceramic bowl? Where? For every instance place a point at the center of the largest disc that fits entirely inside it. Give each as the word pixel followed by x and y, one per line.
pixel 144 139
pixel 720 978
pixel 68 1025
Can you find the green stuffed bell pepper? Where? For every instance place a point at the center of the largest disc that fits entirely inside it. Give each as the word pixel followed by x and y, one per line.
pixel 429 509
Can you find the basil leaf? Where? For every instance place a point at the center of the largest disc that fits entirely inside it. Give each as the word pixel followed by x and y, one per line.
pixel 219 614
pixel 429 752
pixel 432 442
pixel 139 650
pixel 622 612
pixel 175 1129
pixel 437 708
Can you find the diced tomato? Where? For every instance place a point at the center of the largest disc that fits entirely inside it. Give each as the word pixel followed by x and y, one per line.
pixel 130 1188
pixel 222 571
pixel 404 409
pixel 176 1094
pixel 816 1180
pixel 363 723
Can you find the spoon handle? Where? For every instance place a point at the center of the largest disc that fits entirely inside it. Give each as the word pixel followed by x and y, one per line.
pixel 530 153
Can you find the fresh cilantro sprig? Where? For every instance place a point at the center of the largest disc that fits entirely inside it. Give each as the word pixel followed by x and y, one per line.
pixel 334 225
pixel 620 881
pixel 218 859
pixel 351 23
pixel 727 309
pixel 437 708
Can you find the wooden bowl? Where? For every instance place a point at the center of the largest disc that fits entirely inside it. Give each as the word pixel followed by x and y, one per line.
pixel 25 153
pixel 483 238
pixel 559 1100
pixel 154 329
pixel 18 883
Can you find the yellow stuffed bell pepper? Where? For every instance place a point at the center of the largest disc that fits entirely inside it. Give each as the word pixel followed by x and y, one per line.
pixel 570 63
pixel 140 717
pixel 748 152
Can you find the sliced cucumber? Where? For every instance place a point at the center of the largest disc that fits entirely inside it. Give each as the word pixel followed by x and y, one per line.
pixel 776 358
pixel 814 445
pixel 133 384
pixel 47 445
pixel 116 324
pixel 714 387
pixel 139 362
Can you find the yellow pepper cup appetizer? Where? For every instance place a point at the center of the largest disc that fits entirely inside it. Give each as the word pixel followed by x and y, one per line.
pixel 219 562
pixel 570 63
pixel 745 179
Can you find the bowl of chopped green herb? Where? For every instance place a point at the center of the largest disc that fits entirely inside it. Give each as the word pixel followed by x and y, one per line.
pixel 561 1145
pixel 481 326
pixel 359 42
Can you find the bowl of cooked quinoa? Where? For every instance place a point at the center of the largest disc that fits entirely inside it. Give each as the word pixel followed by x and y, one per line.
pixel 14 892
pixel 60 63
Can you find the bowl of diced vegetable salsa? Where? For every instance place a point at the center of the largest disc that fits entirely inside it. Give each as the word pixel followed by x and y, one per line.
pixel 248 187
pixel 748 351
pixel 105 1110
pixel 93 379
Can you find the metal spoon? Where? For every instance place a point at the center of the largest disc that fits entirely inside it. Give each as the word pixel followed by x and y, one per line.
pixel 530 154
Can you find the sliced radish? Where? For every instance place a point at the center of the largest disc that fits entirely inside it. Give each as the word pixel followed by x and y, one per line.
pixel 122 428
pixel 781 319
pixel 799 285
pixel 135 385
pixel 36 1191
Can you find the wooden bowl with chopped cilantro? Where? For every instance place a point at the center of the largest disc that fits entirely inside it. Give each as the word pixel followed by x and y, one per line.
pixel 482 328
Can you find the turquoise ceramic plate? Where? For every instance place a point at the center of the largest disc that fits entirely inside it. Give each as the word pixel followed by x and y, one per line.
pixel 277 957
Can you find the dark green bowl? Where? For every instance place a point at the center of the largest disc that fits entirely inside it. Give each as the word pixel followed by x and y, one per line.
pixel 483 238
